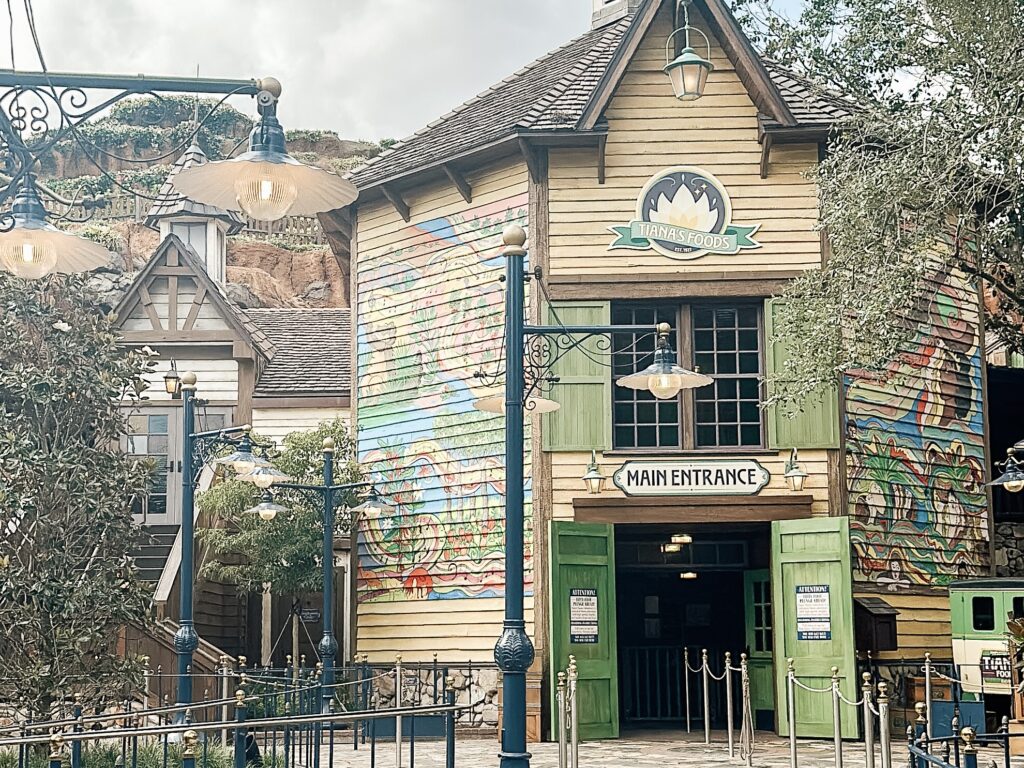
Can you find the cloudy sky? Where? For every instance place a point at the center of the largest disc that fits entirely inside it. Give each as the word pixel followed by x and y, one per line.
pixel 365 68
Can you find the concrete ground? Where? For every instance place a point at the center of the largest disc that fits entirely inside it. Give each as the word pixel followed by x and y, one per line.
pixel 657 749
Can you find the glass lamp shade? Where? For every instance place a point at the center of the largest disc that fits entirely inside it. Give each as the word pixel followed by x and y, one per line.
pixel 593 479
pixel 496 404
pixel 264 476
pixel 688 73
pixel 663 378
pixel 1012 479
pixel 265 185
pixel 33 249
pixel 243 460
pixel 372 506
pixel 266 509
pixel 172 382
pixel 795 477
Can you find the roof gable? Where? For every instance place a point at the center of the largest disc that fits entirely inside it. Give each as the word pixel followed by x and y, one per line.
pixel 173 296
pixel 568 90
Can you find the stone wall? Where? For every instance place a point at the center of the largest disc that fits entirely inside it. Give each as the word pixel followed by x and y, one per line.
pixel 476 687
pixel 1009 549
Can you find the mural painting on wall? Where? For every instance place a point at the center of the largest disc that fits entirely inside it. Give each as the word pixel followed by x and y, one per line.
pixel 430 315
pixel 916 452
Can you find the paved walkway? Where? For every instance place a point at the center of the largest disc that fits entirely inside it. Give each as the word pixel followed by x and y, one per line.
pixel 639 750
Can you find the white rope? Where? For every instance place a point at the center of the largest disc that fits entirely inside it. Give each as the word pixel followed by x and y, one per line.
pixel 747 723
pixel 695 670
pixel 713 676
pixel 874 711
pixel 947 677
pixel 842 698
pixel 810 689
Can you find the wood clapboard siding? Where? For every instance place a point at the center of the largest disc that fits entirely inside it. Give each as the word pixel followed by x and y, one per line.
pixel 915 455
pixel 921 627
pixel 428 315
pixel 276 423
pixel 216 379
pixel 649 130
pixel 567 469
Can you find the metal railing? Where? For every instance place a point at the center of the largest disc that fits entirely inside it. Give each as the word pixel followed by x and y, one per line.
pixel 275 722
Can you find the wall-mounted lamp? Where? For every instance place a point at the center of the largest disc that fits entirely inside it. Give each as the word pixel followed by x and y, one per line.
pixel 593 479
pixel 794 475
pixel 172 382
pixel 688 71
pixel 688 575
pixel 1012 478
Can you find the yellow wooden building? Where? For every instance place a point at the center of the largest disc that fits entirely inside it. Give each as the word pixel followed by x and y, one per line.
pixel 643 208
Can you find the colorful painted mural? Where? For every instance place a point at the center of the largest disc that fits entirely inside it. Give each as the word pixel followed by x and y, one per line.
pixel 430 315
pixel 916 451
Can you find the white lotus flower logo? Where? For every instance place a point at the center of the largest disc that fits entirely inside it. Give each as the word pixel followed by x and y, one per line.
pixel 684 210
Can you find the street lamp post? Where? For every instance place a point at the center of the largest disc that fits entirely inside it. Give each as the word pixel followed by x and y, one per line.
pixel 327 493
pixel 514 652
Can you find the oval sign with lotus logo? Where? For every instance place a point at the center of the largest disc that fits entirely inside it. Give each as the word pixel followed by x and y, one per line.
pixel 684 213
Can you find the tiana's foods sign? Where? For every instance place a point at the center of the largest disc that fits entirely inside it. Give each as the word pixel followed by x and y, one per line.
pixel 684 213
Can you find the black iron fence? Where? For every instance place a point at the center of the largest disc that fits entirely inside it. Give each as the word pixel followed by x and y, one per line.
pixel 272 720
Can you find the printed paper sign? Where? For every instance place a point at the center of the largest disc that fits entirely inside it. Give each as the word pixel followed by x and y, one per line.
pixel 813 612
pixel 582 616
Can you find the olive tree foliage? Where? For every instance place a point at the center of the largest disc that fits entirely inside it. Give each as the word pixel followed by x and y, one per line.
pixel 925 176
pixel 67 583
pixel 285 552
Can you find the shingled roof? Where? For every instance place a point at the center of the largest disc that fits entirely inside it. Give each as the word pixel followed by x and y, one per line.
pixel 170 202
pixel 556 92
pixel 312 352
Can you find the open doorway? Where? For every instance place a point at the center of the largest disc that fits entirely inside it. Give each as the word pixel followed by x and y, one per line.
pixel 675 600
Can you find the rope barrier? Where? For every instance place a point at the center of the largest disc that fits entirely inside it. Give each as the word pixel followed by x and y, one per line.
pixel 811 689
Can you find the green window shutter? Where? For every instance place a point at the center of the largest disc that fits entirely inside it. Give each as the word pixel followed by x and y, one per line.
pixel 584 388
pixel 817 424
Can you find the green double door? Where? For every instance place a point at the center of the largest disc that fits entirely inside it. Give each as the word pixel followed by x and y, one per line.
pixel 802 609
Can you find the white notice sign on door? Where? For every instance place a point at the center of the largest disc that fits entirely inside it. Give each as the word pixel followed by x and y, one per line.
pixel 813 612
pixel 582 616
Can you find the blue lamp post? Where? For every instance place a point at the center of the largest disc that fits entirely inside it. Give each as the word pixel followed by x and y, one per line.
pixel 514 652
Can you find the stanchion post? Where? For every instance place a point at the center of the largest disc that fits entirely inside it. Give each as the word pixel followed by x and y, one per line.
pixel 563 743
pixel 76 744
pixel 188 749
pixel 398 705
pixel 1004 728
pixel 574 714
pixel 884 736
pixel 791 710
pixel 728 702
pixel 56 747
pixel 707 703
pixel 449 689
pixel 240 728
pixel 837 718
pixel 869 722
pixel 686 686
pixel 747 726
pixel 928 693
pixel 970 750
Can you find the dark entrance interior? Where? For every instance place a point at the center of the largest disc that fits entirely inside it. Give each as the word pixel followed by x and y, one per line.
pixel 661 612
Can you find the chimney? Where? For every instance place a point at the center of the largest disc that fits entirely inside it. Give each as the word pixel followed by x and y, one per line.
pixel 607 11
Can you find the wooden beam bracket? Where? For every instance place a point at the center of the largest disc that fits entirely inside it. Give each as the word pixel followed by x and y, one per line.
pixel 766 151
pixel 532 161
pixel 602 144
pixel 459 180
pixel 395 198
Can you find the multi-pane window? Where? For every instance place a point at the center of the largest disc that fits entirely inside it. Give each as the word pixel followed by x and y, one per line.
pixel 149 438
pixel 726 346
pixel 193 233
pixel 762 618
pixel 722 341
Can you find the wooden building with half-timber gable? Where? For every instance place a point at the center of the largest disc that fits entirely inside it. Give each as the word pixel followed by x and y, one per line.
pixel 642 208
pixel 280 370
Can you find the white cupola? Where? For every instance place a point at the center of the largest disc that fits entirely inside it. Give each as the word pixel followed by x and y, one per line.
pixel 204 228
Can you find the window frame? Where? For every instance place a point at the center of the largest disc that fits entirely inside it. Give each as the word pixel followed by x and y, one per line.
pixel 683 343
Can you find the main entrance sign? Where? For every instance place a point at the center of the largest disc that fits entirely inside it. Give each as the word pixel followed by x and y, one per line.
pixel 728 477
pixel 683 213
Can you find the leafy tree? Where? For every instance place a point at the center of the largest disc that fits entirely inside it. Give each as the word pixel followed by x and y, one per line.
pixel 286 552
pixel 67 583
pixel 925 176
